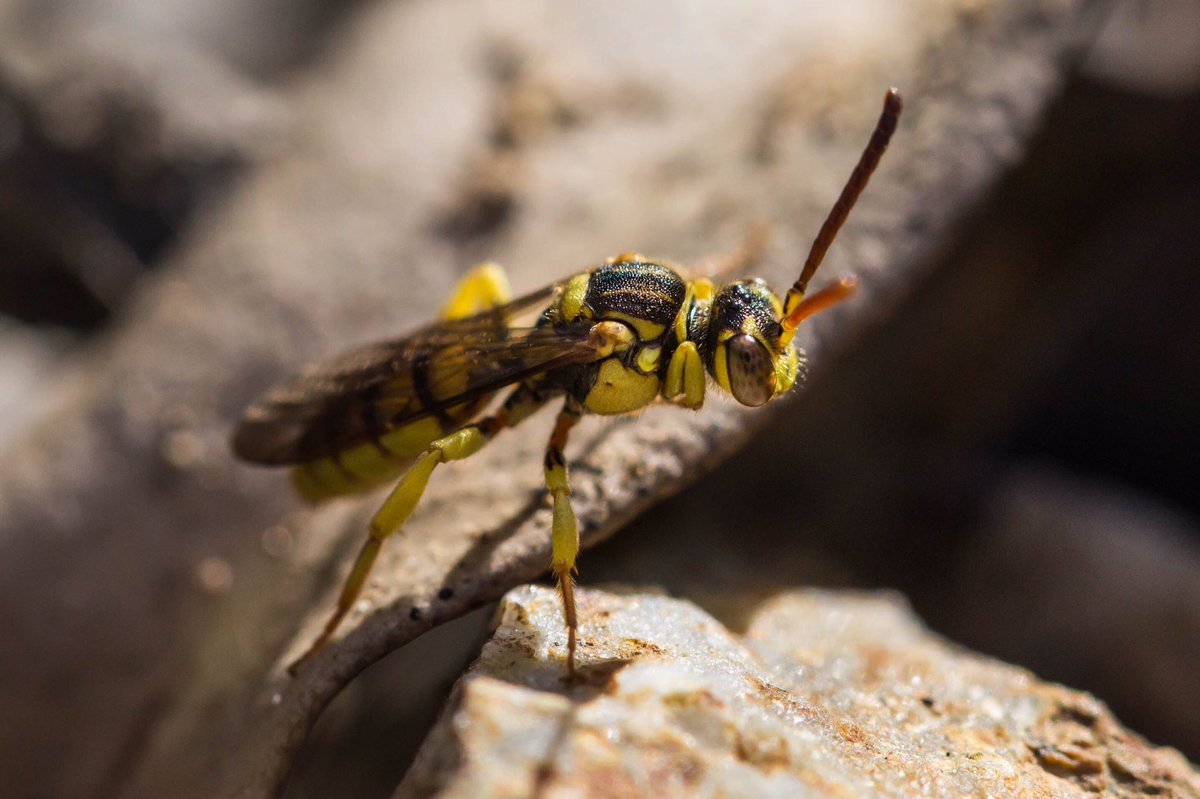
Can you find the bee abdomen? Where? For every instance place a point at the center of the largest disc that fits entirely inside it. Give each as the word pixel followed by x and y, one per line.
pixel 370 465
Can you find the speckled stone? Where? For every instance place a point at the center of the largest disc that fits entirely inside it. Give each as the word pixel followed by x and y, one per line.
pixel 827 694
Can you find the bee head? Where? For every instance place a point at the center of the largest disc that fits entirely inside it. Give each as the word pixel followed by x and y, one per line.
pixel 750 348
pixel 749 356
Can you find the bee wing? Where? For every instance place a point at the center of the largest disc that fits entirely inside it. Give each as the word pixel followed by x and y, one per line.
pixel 358 397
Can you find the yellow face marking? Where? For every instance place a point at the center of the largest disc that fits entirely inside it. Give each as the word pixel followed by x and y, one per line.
pixel 721 369
pixel 572 298
pixel 720 364
pixel 787 366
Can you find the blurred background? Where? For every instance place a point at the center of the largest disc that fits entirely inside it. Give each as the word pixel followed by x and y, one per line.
pixel 1015 446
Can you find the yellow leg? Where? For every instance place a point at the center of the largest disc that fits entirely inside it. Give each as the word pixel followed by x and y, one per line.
pixel 403 500
pixel 484 287
pixel 685 377
pixel 366 466
pixel 564 532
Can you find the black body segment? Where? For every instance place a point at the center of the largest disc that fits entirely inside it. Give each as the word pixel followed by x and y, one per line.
pixel 747 302
pixel 643 290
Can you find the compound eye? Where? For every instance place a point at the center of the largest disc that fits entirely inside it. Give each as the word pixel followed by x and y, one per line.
pixel 751 370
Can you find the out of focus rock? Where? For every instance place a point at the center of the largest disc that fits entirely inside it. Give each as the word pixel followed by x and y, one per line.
pixel 827 694
pixel 109 147
pixel 1149 47
pixel 27 365
pixel 1064 568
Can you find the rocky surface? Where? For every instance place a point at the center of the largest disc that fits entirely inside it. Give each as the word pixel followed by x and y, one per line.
pixel 826 694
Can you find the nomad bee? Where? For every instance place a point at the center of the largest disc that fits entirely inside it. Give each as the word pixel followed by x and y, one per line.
pixel 608 341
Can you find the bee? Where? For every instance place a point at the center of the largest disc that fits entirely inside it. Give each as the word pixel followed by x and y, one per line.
pixel 610 340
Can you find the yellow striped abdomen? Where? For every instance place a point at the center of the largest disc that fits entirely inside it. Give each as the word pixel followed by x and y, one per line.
pixel 375 463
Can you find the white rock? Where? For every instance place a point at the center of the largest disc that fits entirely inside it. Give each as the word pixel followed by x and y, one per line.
pixel 828 694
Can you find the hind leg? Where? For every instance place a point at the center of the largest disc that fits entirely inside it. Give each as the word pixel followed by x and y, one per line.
pixel 380 461
pixel 399 505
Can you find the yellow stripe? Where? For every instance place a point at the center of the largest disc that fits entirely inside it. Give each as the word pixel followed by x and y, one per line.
pixel 366 466
pixel 646 330
pixel 681 317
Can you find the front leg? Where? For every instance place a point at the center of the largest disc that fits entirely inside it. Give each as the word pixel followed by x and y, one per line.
pixel 685 377
pixel 564 530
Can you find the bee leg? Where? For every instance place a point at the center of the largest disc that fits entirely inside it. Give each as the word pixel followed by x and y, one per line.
pixel 483 287
pixel 685 377
pixel 565 531
pixel 396 509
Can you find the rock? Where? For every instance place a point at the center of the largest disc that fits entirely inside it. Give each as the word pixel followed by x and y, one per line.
pixel 28 365
pixel 1064 566
pixel 827 694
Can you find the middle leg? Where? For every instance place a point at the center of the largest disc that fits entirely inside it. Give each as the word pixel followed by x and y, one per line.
pixel 564 530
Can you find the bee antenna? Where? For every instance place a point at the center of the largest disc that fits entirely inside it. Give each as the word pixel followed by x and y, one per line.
pixel 794 310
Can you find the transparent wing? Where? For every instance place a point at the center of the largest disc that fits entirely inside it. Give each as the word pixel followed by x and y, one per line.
pixel 361 395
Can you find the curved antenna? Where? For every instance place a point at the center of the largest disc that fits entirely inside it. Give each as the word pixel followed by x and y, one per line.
pixel 795 310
